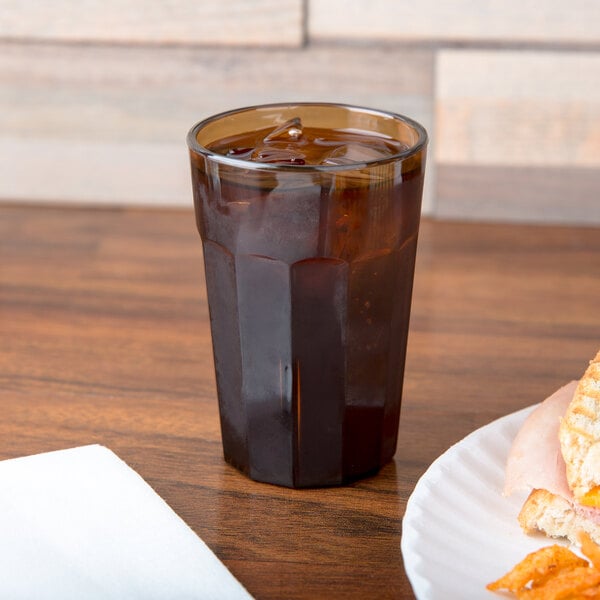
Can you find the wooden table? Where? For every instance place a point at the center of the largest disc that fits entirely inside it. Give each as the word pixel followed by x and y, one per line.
pixel 104 338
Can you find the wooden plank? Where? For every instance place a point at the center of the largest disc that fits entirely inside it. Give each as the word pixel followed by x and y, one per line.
pixel 525 194
pixel 98 172
pixel 232 23
pixel 518 108
pixel 56 100
pixel 157 93
pixel 510 21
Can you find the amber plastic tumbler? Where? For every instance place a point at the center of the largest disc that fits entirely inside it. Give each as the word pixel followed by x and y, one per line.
pixel 309 273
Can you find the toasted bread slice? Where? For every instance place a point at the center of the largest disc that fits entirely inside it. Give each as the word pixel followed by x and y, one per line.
pixel 556 517
pixel 579 435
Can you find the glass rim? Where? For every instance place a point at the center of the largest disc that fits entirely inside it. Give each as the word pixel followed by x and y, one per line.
pixel 196 147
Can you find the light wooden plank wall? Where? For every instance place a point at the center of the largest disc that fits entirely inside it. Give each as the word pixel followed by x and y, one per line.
pixel 96 97
pixel 196 22
pixel 507 21
pixel 522 144
pixel 107 113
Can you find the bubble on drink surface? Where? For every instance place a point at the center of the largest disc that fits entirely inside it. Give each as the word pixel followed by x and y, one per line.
pixel 289 131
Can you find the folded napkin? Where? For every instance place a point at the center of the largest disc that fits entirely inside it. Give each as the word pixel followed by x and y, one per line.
pixel 81 524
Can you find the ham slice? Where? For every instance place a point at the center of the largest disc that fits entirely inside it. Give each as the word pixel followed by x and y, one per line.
pixel 535 460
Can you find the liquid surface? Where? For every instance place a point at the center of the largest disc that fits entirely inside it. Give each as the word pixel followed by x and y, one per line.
pixel 294 144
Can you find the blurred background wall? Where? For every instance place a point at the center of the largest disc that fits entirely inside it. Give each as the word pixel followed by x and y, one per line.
pixel 96 96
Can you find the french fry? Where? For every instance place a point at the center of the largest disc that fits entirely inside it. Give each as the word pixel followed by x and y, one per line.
pixel 536 568
pixel 592 593
pixel 563 585
pixel 555 573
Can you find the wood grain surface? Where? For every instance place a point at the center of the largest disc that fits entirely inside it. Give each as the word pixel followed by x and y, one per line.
pixel 462 21
pixel 108 124
pixel 538 108
pixel 528 194
pixel 111 93
pixel 235 23
pixel 105 339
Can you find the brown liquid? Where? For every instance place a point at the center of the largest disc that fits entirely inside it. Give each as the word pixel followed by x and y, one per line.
pixel 309 287
pixel 292 143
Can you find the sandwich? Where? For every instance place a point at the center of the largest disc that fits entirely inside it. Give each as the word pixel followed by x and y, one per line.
pixel 556 455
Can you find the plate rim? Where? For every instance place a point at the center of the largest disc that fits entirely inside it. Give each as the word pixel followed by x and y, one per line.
pixel 418 582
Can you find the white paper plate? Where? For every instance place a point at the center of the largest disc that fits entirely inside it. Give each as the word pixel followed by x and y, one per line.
pixel 459 533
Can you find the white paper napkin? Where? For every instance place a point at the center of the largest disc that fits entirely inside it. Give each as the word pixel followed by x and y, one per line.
pixel 81 524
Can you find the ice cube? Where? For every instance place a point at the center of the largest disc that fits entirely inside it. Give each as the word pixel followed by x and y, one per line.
pixel 278 155
pixel 243 153
pixel 357 152
pixel 290 130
